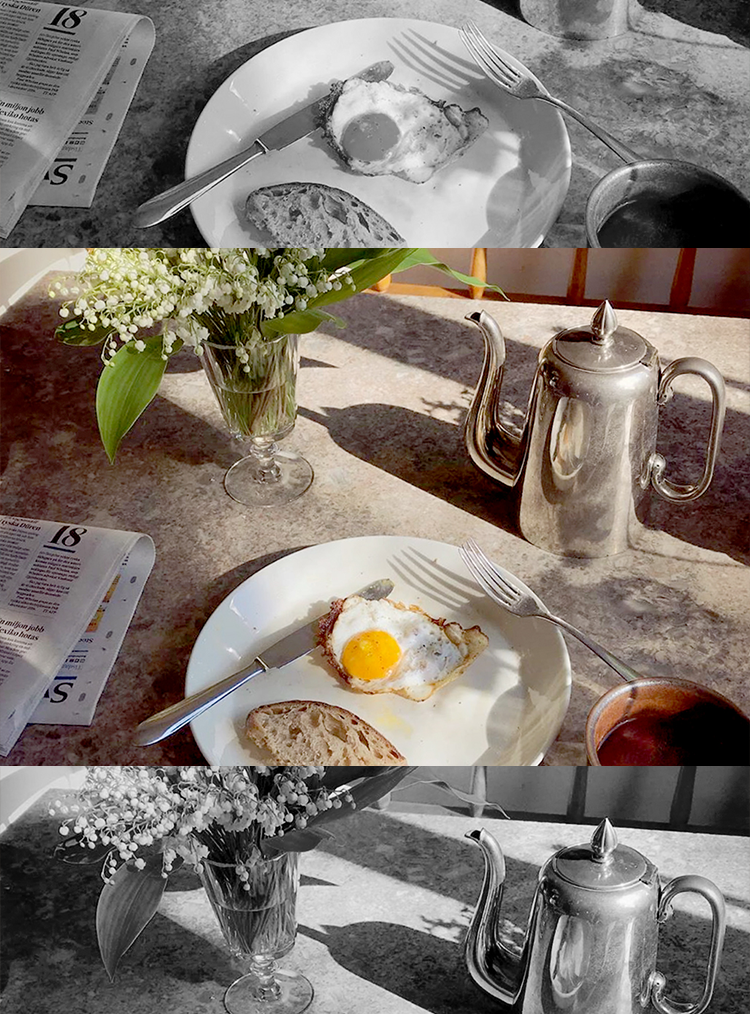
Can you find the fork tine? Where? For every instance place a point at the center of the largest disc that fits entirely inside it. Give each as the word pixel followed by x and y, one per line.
pixel 509 588
pixel 492 52
pixel 481 61
pixel 479 576
pixel 485 54
pixel 485 573
pixel 499 66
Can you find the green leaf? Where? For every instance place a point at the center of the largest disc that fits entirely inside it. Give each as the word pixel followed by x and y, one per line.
pixel 73 333
pixel 366 792
pixel 365 789
pixel 126 905
pixel 342 257
pixel 127 385
pixel 367 267
pixel 337 775
pixel 365 273
pixel 298 322
pixel 421 257
pixel 464 797
pixel 295 841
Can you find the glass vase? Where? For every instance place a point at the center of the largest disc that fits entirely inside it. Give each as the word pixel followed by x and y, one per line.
pixel 256 387
pixel 257 915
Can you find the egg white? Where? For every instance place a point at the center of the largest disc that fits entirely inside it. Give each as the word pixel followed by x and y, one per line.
pixel 428 656
pixel 428 137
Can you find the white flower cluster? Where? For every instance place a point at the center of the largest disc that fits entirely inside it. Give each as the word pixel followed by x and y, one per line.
pixel 193 812
pixel 194 294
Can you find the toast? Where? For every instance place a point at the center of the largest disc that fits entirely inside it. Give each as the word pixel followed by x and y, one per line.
pixel 312 732
pixel 316 215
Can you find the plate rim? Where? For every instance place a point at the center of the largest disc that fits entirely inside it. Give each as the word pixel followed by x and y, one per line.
pixel 408 540
pixel 226 84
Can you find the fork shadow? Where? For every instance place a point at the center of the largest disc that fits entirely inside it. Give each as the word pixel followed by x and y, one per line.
pixel 430 60
pixel 431 578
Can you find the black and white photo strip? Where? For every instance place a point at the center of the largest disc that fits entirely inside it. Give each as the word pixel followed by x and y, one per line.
pixel 400 890
pixel 498 123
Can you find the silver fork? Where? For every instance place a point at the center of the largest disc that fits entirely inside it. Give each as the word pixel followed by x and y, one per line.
pixel 523 603
pixel 522 86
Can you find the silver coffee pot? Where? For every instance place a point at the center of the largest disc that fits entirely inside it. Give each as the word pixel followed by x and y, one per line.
pixel 592 934
pixel 584 460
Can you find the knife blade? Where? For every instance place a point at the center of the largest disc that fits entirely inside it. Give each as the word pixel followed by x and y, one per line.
pixel 281 135
pixel 296 644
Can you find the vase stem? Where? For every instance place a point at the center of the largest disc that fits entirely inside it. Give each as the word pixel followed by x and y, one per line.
pixel 264 968
pixel 264 450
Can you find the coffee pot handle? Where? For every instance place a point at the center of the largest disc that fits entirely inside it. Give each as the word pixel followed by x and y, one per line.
pixel 706 370
pixel 714 897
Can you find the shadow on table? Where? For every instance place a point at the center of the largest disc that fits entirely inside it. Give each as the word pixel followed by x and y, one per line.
pixel 167 685
pixel 427 450
pixel 168 170
pixel 511 7
pixel 423 969
pixel 730 18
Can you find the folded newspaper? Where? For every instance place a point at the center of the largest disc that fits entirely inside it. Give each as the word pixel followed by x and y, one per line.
pixel 67 595
pixel 67 78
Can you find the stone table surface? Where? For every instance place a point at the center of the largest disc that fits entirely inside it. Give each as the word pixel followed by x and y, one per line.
pixel 382 911
pixel 676 85
pixel 381 408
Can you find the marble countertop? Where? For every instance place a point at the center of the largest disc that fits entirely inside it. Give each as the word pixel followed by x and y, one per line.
pixel 382 911
pixel 381 407
pixel 673 86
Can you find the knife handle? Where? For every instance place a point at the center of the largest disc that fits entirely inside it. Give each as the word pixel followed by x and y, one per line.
pixel 168 721
pixel 168 203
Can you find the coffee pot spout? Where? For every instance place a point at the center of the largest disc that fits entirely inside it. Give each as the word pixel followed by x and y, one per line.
pixel 494 965
pixel 493 448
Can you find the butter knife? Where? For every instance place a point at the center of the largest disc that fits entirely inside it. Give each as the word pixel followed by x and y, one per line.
pixel 281 135
pixel 300 642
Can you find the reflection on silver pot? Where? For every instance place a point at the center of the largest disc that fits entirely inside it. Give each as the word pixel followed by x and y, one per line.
pixel 592 934
pixel 585 459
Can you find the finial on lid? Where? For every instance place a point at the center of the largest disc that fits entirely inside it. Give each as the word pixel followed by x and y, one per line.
pixel 604 324
pixel 603 840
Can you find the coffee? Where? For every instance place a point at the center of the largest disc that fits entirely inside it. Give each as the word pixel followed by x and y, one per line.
pixel 702 216
pixel 703 734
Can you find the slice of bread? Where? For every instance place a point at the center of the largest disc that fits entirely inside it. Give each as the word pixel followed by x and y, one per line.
pixel 311 732
pixel 314 214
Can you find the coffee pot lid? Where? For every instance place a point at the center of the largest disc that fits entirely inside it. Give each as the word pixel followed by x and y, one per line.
pixel 601 345
pixel 601 863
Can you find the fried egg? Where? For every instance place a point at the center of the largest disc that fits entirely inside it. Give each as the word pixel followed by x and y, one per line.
pixel 382 646
pixel 377 128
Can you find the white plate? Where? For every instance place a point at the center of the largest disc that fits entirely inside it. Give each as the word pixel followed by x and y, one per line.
pixel 507 708
pixel 505 191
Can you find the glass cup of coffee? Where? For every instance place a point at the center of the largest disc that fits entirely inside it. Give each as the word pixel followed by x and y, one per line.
pixel 665 721
pixel 666 203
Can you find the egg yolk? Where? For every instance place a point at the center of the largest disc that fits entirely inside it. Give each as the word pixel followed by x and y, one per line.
pixel 370 655
pixel 370 137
